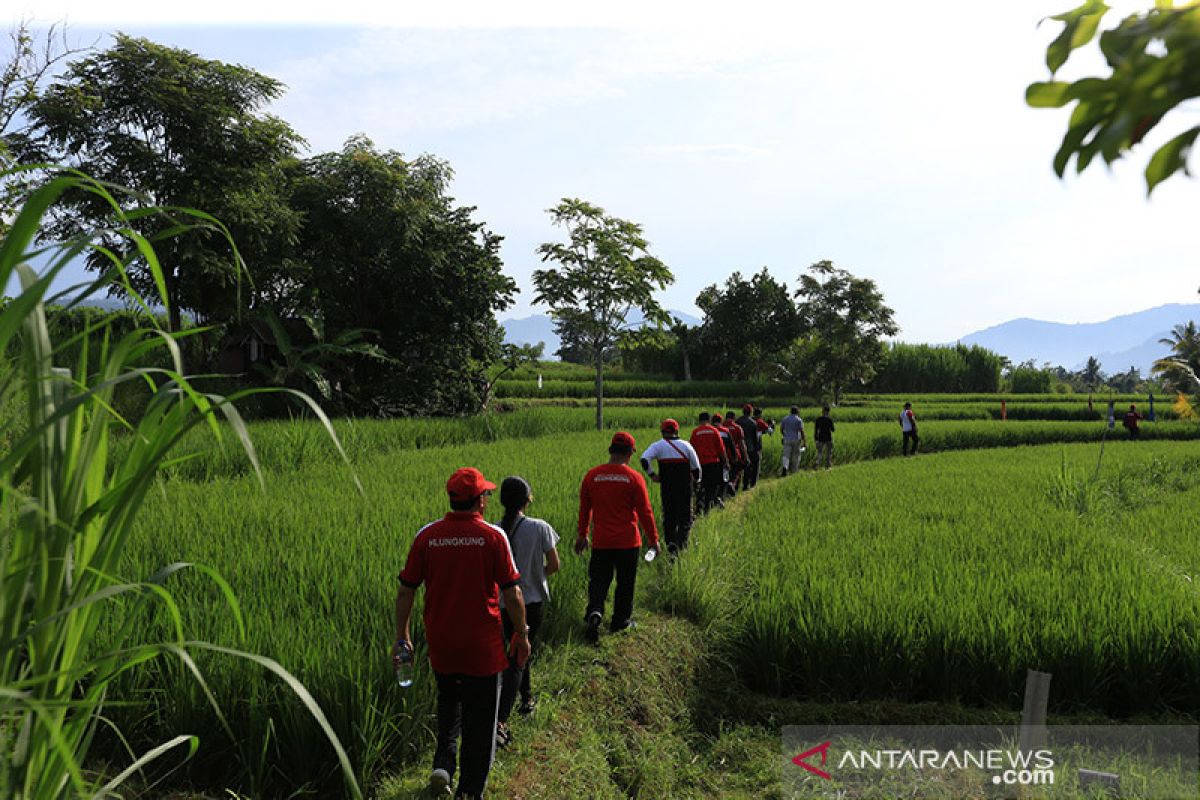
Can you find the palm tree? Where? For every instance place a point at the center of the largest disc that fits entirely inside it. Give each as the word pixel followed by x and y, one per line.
pixel 1180 369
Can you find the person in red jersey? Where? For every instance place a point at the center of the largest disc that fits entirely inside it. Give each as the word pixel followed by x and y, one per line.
pixel 741 449
pixel 613 504
pixel 462 561
pixel 709 447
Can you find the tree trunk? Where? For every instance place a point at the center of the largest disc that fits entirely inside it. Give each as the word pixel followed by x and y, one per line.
pixel 600 389
pixel 174 318
pixel 687 366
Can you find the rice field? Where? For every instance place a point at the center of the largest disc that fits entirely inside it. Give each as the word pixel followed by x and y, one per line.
pixel 944 576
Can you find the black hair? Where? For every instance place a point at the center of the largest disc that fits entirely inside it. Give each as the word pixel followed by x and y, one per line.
pixel 795 409
pixel 825 409
pixel 730 415
pixel 514 496
pixel 463 505
pixel 704 416
pixel 757 411
pixel 620 450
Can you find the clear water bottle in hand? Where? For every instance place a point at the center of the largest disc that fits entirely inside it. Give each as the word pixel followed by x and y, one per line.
pixel 403 663
pixel 651 554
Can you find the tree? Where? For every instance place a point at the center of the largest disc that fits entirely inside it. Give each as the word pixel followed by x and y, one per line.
pixel 747 325
pixel 605 273
pixel 29 60
pixel 844 321
pixel 385 248
pixel 1179 370
pixel 182 132
pixel 1154 59
pixel 1091 375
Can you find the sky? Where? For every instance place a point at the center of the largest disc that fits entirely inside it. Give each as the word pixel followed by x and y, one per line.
pixel 891 138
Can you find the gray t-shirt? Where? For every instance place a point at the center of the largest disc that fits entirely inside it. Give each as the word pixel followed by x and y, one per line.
pixel 791 427
pixel 531 540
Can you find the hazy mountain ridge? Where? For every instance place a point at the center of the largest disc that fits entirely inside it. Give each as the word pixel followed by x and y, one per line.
pixel 1118 343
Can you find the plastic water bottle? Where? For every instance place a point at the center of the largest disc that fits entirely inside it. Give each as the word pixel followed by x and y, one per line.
pixel 403 662
pixel 651 554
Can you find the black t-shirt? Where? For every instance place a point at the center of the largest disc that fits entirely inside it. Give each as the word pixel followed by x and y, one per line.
pixel 750 428
pixel 823 429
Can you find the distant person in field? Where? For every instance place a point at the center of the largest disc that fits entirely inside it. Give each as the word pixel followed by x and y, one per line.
pixel 908 428
pixel 794 441
pixel 766 427
pixel 741 447
pixel 678 470
pixel 464 564
pixel 613 503
pixel 753 441
pixel 734 456
pixel 710 449
pixel 534 544
pixel 823 435
pixel 1131 421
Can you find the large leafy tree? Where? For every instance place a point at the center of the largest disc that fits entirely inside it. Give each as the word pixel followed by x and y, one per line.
pixel 1091 375
pixel 748 324
pixel 181 131
pixel 605 272
pixel 844 322
pixel 1153 61
pixel 384 248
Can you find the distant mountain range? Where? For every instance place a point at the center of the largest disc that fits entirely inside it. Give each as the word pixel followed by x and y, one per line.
pixel 1118 343
pixel 540 328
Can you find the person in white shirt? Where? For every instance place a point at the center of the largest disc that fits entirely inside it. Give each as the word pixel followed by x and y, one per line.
pixel 678 471
pixel 791 429
pixel 908 426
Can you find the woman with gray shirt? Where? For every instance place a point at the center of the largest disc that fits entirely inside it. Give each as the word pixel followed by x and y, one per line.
pixel 533 542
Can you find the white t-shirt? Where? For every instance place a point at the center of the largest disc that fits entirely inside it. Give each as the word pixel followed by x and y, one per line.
pixel 672 450
pixel 906 420
pixel 531 540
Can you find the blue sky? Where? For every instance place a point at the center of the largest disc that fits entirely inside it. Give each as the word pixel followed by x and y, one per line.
pixel 891 138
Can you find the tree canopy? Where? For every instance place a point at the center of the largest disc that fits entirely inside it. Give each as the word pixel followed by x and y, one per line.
pixel 182 132
pixel 605 272
pixel 844 321
pixel 748 323
pixel 384 248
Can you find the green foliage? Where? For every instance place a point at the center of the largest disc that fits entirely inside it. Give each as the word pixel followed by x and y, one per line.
pixel 384 248
pixel 184 132
pixel 1028 379
pixel 844 322
pixel 605 273
pixel 1154 58
pixel 748 324
pixel 932 368
pixel 67 511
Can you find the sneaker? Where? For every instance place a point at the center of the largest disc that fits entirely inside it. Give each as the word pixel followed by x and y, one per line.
pixel 527 707
pixel 439 782
pixel 628 626
pixel 503 735
pixel 592 632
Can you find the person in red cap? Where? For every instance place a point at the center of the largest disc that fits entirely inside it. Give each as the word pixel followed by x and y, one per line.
pixel 613 503
pixel 710 449
pixel 462 560
pixel 678 469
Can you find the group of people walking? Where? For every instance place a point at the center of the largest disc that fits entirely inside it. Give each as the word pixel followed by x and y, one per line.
pixel 486 585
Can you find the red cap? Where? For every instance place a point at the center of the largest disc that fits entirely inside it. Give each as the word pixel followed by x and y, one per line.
pixel 467 484
pixel 622 439
pixel 670 425
pixel 747 409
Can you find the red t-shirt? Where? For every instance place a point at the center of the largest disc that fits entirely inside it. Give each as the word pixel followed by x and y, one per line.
pixel 461 559
pixel 706 441
pixel 614 499
pixel 738 435
pixel 763 425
